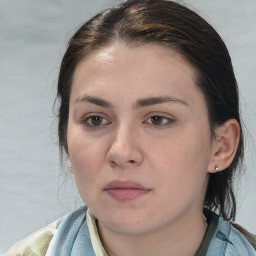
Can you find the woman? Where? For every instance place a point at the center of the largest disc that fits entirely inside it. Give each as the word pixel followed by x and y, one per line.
pixel 149 120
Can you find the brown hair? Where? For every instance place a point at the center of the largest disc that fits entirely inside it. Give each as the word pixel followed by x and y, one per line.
pixel 163 22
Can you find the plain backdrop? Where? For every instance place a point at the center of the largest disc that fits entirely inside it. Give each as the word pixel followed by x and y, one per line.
pixel 33 38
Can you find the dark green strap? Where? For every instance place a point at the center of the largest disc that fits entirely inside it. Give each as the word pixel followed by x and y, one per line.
pixel 212 220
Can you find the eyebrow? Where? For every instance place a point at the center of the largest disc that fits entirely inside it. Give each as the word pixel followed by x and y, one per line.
pixel 94 100
pixel 158 100
pixel 145 102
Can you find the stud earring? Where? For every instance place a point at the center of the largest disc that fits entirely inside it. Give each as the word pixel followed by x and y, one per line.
pixel 216 168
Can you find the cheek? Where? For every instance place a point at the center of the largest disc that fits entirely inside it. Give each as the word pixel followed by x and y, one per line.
pixel 87 169
pixel 183 159
pixel 82 148
pixel 86 157
pixel 181 179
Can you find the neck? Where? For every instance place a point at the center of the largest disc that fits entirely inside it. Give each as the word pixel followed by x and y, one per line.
pixel 181 238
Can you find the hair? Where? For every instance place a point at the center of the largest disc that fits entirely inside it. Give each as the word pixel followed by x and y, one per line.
pixel 166 23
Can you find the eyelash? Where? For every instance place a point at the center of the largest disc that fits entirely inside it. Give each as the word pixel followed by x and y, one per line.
pixel 161 121
pixel 87 121
pixel 164 121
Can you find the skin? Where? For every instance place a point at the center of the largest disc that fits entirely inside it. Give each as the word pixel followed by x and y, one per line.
pixel 166 147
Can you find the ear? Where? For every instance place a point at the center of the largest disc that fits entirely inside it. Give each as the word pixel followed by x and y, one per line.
pixel 224 146
pixel 70 167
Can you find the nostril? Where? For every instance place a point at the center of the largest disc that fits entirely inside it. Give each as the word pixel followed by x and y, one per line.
pixel 113 163
pixel 131 161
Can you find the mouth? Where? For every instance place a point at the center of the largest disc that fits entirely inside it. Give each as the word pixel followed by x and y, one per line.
pixel 125 190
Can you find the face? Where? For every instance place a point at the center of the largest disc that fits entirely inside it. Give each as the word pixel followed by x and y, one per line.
pixel 139 138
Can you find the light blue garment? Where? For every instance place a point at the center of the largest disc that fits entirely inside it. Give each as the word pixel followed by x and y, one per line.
pixel 73 239
pixel 228 241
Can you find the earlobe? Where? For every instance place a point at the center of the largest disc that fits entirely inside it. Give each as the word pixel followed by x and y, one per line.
pixel 225 145
pixel 70 167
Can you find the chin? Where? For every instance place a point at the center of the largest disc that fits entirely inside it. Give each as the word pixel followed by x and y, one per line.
pixel 128 224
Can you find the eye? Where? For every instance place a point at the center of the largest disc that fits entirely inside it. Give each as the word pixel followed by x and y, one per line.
pixel 159 120
pixel 95 121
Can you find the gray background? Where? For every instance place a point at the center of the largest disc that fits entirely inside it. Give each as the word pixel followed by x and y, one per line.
pixel 33 37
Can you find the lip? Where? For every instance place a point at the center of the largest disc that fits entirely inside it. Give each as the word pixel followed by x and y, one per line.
pixel 125 190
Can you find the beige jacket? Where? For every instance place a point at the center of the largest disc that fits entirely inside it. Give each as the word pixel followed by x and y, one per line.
pixel 36 244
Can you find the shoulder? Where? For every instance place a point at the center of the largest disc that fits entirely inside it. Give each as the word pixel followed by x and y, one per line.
pixel 37 243
pixel 241 241
pixel 237 241
pixel 230 239
pixel 249 236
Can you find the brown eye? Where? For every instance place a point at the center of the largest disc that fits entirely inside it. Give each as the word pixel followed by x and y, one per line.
pixel 159 120
pixel 95 120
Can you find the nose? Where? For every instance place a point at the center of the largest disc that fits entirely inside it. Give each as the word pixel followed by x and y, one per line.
pixel 124 150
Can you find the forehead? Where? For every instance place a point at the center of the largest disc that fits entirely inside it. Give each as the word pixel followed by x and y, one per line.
pixel 141 70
